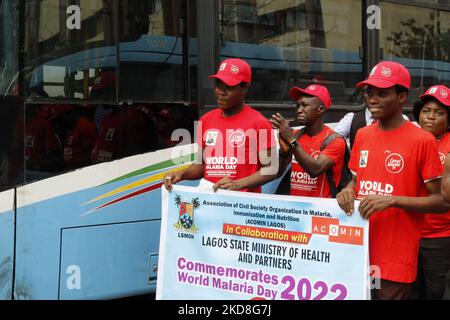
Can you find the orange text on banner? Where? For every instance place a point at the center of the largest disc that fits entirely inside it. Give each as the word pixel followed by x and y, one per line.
pixel 266 233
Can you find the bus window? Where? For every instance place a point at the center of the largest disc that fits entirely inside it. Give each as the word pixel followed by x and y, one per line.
pixel 419 38
pixel 11 142
pixel 63 57
pixel 295 43
pixel 9 45
pixel 151 50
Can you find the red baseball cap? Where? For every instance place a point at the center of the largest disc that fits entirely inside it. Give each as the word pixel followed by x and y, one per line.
pixel 312 90
pixel 51 111
pixel 165 113
pixel 387 74
pixel 233 72
pixel 439 92
pixel 104 80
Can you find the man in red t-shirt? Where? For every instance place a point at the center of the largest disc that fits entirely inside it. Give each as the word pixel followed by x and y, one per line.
pixel 309 162
pixel 80 138
pixel 124 132
pixel 236 140
pixel 42 146
pixel 397 174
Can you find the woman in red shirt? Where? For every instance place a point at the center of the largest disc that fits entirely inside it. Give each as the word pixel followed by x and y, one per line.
pixel 432 112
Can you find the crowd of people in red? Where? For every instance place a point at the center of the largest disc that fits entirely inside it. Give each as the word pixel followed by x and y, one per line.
pixel 62 137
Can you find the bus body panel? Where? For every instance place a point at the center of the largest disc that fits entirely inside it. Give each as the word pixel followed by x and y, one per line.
pixel 66 230
pixel 6 243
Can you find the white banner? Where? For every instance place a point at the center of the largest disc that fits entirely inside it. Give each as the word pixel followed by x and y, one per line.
pixel 237 245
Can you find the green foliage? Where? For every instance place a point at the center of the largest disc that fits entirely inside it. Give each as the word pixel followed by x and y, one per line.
pixel 421 41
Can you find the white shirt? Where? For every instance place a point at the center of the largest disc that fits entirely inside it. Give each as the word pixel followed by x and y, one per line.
pixel 343 126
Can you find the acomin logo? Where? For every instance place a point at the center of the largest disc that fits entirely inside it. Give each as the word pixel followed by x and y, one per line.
pixel 444 93
pixel 186 214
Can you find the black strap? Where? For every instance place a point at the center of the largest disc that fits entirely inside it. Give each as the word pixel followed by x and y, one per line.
pixel 299 133
pixel 358 122
pixel 285 184
pixel 329 172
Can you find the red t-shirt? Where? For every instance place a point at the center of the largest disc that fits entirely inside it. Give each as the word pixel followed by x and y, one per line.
pixel 231 144
pixel 438 225
pixel 301 182
pixel 109 142
pixel 124 133
pixel 40 142
pixel 79 139
pixel 395 163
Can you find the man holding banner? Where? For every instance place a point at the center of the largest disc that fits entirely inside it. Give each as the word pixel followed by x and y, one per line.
pixel 397 174
pixel 236 141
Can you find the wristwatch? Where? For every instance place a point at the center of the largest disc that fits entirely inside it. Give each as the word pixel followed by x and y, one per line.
pixel 293 144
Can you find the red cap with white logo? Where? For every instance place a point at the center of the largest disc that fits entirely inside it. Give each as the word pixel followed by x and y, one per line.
pixel 387 74
pixel 439 92
pixel 312 90
pixel 233 72
pixel 106 79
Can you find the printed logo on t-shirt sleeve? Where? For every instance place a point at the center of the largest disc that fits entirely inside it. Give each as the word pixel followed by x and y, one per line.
pixel 442 157
pixel 211 137
pixel 363 158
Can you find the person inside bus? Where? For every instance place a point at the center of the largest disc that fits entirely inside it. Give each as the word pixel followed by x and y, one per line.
pixel 313 150
pixel 170 118
pixel 432 113
pixel 103 89
pixel 396 176
pixel 124 132
pixel 80 135
pixel 43 149
pixel 236 141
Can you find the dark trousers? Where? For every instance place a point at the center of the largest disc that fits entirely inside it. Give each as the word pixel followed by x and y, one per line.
pixel 447 286
pixel 390 290
pixel 432 270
